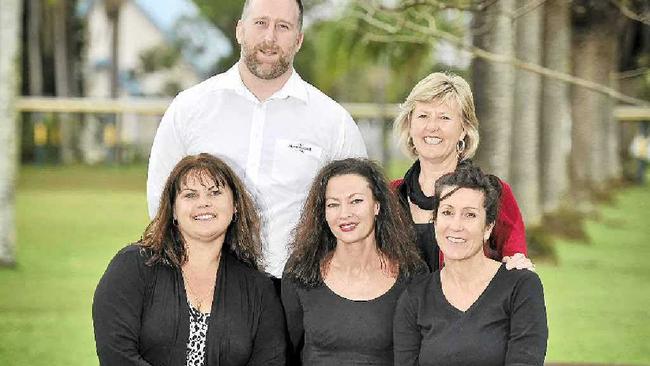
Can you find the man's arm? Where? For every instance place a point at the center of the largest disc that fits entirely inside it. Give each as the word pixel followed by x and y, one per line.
pixel 167 150
pixel 351 141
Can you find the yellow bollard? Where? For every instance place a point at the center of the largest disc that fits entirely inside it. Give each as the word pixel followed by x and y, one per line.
pixel 110 135
pixel 40 134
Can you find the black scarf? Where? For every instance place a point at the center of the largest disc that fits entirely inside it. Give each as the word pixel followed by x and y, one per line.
pixel 413 189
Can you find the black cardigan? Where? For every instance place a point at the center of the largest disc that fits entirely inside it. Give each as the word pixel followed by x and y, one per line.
pixel 141 316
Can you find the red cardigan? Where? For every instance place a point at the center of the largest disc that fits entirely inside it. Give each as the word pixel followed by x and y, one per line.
pixel 508 234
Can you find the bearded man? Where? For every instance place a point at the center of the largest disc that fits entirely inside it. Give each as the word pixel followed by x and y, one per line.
pixel 274 129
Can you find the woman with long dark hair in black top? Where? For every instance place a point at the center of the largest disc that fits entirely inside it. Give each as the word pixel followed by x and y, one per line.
pixel 191 292
pixel 352 256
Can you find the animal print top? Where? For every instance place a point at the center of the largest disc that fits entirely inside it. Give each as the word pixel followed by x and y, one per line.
pixel 198 332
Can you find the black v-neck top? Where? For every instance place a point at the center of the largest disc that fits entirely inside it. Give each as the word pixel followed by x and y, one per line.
pixel 506 325
pixel 141 315
pixel 328 329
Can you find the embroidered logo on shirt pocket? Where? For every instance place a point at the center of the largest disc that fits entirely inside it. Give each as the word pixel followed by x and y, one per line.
pixel 295 163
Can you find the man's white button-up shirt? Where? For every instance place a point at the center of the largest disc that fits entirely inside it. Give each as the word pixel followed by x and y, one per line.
pixel 276 146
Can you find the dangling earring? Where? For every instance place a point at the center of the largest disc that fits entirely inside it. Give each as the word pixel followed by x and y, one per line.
pixel 234 216
pixel 175 222
pixel 460 147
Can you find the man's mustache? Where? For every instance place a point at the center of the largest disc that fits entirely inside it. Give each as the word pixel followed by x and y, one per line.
pixel 268 47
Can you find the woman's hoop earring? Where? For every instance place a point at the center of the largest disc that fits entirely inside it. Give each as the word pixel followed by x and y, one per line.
pixel 460 147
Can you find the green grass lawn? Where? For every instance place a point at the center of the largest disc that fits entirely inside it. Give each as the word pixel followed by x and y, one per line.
pixel 598 297
pixel 72 220
pixel 70 223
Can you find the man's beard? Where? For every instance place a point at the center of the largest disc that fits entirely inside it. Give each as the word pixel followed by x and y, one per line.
pixel 258 69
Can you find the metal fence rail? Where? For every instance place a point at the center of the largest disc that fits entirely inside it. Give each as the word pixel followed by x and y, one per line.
pixel 157 106
pixel 42 139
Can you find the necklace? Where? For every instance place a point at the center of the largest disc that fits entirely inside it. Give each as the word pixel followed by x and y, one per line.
pixel 195 298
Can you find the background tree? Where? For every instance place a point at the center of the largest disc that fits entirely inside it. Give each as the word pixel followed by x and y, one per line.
pixel 34 55
pixel 556 108
pixel 525 162
pixel 62 11
pixel 224 14
pixel 595 30
pixel 113 10
pixel 52 44
pixel 350 62
pixel 33 71
pixel 10 17
pixel 493 86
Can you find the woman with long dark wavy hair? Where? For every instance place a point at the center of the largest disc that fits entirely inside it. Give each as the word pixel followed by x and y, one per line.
pixel 191 292
pixel 352 255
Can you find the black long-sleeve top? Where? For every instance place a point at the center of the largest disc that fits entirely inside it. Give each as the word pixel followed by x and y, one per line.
pixel 141 315
pixel 327 329
pixel 505 326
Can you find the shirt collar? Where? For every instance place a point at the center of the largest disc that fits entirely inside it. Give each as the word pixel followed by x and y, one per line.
pixel 294 87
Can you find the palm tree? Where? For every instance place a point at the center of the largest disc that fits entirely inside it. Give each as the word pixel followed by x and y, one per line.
pixel 62 78
pixel 34 47
pixel 35 73
pixel 596 26
pixel 524 162
pixel 556 108
pixel 493 85
pixel 113 8
pixel 10 17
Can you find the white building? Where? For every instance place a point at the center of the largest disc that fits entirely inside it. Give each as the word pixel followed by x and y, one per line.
pixel 144 27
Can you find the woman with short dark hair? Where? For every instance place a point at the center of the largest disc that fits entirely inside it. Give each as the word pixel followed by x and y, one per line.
pixel 473 311
pixel 190 292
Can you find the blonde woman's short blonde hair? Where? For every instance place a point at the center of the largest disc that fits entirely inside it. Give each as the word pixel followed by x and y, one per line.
pixel 441 87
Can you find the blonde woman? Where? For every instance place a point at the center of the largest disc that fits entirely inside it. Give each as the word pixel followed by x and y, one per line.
pixel 437 126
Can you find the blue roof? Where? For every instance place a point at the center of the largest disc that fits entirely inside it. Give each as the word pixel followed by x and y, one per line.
pixel 180 20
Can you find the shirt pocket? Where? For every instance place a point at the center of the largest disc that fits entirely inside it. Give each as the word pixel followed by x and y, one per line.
pixel 295 163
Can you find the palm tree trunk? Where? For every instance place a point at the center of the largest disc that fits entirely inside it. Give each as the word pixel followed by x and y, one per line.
pixel 612 132
pixel 594 59
pixel 10 17
pixel 113 10
pixel 556 108
pixel 34 48
pixel 35 65
pixel 493 85
pixel 62 79
pixel 524 173
pixel 586 129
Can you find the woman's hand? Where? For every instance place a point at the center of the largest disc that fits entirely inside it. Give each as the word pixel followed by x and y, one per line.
pixel 519 261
